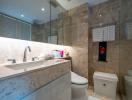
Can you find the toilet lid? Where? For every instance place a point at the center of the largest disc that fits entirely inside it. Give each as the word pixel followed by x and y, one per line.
pixel 105 76
pixel 77 79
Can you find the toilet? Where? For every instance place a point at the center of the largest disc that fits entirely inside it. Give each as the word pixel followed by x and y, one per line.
pixel 79 87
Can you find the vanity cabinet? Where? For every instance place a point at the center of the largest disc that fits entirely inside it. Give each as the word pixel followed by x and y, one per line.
pixel 48 81
pixel 59 89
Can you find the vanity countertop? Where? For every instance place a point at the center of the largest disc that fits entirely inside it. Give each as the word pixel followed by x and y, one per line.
pixel 6 72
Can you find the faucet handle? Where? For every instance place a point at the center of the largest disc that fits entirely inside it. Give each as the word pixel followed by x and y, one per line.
pixel 13 60
pixel 35 58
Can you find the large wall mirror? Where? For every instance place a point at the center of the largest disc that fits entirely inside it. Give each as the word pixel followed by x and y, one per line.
pixel 35 20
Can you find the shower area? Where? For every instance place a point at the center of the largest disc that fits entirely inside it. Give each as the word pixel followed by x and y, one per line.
pixel 125 49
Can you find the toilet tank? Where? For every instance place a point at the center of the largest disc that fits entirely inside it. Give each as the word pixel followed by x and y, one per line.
pixel 105 84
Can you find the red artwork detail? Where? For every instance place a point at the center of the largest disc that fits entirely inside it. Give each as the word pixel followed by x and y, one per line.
pixel 102 50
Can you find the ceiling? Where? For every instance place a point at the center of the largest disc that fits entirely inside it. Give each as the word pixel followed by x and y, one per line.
pixel 31 9
pixel 69 4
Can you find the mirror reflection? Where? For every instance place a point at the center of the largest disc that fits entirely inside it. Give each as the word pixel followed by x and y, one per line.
pixel 35 20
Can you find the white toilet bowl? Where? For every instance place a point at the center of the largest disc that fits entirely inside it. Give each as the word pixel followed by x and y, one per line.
pixel 79 87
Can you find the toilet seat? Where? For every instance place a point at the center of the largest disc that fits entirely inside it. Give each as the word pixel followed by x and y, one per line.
pixel 78 80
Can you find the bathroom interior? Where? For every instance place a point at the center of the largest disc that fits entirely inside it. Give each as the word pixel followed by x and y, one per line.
pixel 65 50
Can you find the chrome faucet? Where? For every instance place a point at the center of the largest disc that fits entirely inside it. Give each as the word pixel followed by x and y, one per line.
pixel 25 53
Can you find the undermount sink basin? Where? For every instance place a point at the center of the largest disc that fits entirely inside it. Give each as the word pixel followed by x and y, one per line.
pixel 25 65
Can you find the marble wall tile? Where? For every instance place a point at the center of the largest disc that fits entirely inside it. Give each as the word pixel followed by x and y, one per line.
pixel 119 51
pixel 79 52
pixel 110 15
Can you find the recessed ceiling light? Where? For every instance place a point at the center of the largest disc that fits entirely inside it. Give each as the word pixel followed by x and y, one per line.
pixel 42 9
pixel 22 15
